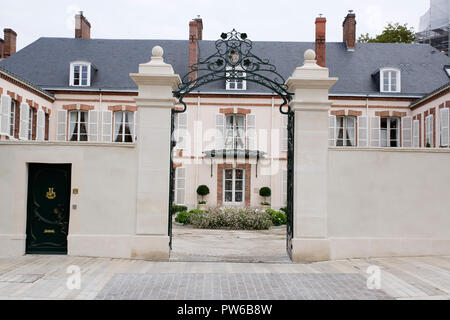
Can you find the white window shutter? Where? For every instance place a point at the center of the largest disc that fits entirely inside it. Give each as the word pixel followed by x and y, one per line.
pixel 444 126
pixel 284 132
pixel 135 126
pixel 284 187
pixel 24 121
pixel 180 185
pixel 107 126
pixel 40 125
pixel 251 132
pixel 332 131
pixel 5 115
pixel 407 134
pixel 416 133
pixel 220 132
pixel 375 131
pixel 181 134
pixel 363 131
pixel 61 125
pixel 93 126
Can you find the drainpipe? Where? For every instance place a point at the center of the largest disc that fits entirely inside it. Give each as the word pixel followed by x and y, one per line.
pixel 201 138
pixel 101 113
pixel 368 121
pixel 271 142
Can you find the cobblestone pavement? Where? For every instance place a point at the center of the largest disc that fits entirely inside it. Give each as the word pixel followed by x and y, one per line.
pixel 46 277
pixel 250 286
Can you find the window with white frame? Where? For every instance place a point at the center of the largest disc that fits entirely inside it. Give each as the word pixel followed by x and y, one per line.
pixel 12 124
pixel 345 131
pixel 238 81
pixel 80 74
pixel 390 132
pixel 180 186
pixel 390 80
pixel 123 126
pixel 78 124
pixel 233 191
pixel 235 131
pixel 429 131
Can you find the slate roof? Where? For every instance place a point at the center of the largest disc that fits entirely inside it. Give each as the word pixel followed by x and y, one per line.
pixel 46 62
pixel 26 81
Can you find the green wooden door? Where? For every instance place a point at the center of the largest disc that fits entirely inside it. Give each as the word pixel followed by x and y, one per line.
pixel 48 208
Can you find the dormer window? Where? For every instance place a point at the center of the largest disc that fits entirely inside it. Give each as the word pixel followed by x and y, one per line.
pixel 238 82
pixel 390 80
pixel 447 70
pixel 80 74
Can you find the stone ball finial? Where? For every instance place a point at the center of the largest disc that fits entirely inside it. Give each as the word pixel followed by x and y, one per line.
pixel 157 51
pixel 310 54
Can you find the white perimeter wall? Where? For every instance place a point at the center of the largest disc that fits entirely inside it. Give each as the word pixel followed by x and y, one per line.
pixel 384 202
pixel 106 204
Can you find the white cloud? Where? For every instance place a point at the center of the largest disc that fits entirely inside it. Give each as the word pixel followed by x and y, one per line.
pixel 71 11
pixel 373 20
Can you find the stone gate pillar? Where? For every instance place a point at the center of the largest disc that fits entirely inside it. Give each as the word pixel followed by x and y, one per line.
pixel 156 81
pixel 310 83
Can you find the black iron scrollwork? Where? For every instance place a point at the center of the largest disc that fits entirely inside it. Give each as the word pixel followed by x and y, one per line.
pixel 234 60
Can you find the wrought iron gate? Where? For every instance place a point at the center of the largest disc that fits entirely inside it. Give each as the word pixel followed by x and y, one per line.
pixel 290 182
pixel 234 60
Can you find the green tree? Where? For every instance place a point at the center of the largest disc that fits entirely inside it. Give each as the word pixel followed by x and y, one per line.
pixel 392 33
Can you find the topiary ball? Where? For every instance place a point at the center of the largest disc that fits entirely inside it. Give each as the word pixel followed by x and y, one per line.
pixel 203 190
pixel 265 192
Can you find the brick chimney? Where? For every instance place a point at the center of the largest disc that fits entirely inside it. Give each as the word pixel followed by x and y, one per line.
pixel 9 42
pixel 195 34
pixel 349 32
pixel 1 48
pixel 82 27
pixel 320 41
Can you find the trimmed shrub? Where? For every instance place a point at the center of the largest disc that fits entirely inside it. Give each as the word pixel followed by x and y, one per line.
pixel 182 217
pixel 176 209
pixel 194 212
pixel 232 219
pixel 284 210
pixel 203 191
pixel 265 192
pixel 279 218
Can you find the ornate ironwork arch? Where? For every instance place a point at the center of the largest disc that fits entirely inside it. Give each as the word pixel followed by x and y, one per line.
pixel 234 60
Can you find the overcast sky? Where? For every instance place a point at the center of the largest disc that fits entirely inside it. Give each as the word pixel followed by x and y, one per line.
pixel 282 20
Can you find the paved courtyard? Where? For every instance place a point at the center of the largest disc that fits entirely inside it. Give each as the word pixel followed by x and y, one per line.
pixel 46 277
pixel 197 245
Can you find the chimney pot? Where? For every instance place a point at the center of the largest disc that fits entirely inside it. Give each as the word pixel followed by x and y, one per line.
pixel 9 44
pixel 82 27
pixel 349 31
pixel 321 41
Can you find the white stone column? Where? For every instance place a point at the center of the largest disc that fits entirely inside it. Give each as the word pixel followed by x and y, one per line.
pixel 311 84
pixel 156 81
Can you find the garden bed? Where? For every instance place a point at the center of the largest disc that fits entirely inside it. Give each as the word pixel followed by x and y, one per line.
pixel 232 219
